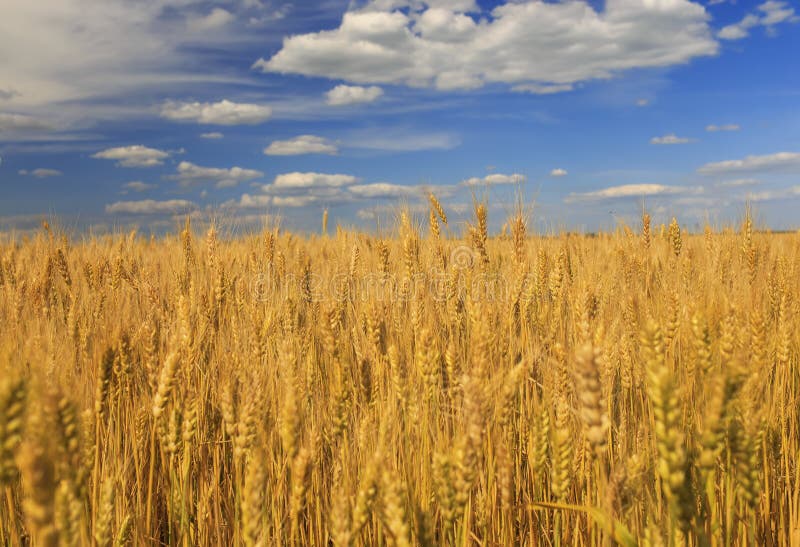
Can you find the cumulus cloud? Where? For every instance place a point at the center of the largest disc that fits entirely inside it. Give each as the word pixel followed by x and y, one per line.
pixel 768 14
pixel 150 207
pixel 304 144
pixel 628 190
pixel 725 127
pixel 294 201
pixel 212 135
pixel 136 155
pixel 261 201
pixel 494 179
pixel 190 174
pixel 739 30
pixel 311 180
pixel 216 18
pixel 642 102
pixel 41 173
pixel 343 95
pixel 270 16
pixel 782 161
pixel 669 139
pixel 522 43
pixel 138 186
pixel 558 172
pixel 384 190
pixel 224 112
pixel 249 201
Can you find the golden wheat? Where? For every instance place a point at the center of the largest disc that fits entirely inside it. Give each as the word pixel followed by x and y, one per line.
pixel 416 388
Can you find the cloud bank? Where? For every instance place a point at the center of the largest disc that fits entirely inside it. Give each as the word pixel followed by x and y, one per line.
pixel 224 112
pixel 343 95
pixel 528 44
pixel 136 155
pixel 304 144
pixel 781 161
pixel 190 174
pixel 150 207
pixel 628 190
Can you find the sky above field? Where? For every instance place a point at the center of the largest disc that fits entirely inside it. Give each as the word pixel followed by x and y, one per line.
pixel 116 113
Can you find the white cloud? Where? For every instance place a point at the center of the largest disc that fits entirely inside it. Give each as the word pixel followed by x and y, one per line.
pixel 642 102
pixel 767 15
pixel 216 18
pixel 737 183
pixel 522 43
pixel 770 195
pixel 444 23
pixel 770 162
pixel 224 112
pixel 399 140
pixel 67 53
pixel 542 89
pixel 669 139
pixel 304 144
pixel 343 95
pixel 776 12
pixel 494 179
pixel 150 207
pixel 384 190
pixel 725 127
pixel 739 30
pixel 558 172
pixel 294 201
pixel 190 174
pixel 270 16
pixel 628 190
pixel 41 173
pixel 248 201
pixel 310 180
pixel 136 155
pixel 212 135
pixel 138 186
pixel 20 122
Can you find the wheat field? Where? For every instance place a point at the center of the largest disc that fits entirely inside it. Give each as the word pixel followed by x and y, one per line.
pixel 433 385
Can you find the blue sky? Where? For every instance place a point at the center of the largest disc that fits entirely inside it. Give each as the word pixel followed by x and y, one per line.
pixel 116 114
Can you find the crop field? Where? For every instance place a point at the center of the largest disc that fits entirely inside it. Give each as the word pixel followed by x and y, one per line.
pixel 429 385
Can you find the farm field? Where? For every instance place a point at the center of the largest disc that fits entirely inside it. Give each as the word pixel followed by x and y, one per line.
pixel 432 385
